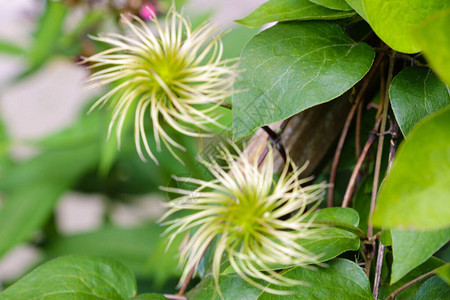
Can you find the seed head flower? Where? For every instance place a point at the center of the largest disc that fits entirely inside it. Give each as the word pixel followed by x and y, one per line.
pixel 173 73
pixel 255 221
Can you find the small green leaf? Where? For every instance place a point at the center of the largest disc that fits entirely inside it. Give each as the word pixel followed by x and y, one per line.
pixel 419 181
pixel 415 93
pixel 394 20
pixel 341 279
pixel 337 214
pixel 75 277
pixel 433 38
pixel 290 10
pixel 232 287
pixel 333 4
pixel 357 5
pixel 433 288
pixel 411 248
pixel 444 272
pixel 291 67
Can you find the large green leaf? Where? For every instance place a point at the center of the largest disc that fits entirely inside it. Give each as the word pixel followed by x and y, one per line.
pixel 433 38
pixel 291 67
pixel 149 297
pixel 415 193
pixel 433 288
pixel 444 272
pixel 75 277
pixel 412 248
pixel 140 248
pixel 415 93
pixel 289 10
pixel 333 4
pixel 394 20
pixel 341 279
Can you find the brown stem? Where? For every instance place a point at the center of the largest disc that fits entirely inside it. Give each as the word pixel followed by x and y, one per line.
pixel 358 130
pixel 422 277
pixel 362 157
pixel 348 121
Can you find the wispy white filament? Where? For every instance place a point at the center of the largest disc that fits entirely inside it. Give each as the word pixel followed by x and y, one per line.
pixel 176 75
pixel 258 223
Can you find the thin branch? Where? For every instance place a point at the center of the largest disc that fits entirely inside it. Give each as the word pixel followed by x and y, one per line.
pixel 362 157
pixel 358 130
pixel 376 175
pixel 422 277
pixel 348 121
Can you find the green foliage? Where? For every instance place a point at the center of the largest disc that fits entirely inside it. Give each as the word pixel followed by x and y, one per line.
pixel 75 277
pixel 290 10
pixel 411 248
pixel 424 160
pixel 393 21
pixel 433 288
pixel 432 36
pixel 357 5
pixel 341 279
pixel 415 93
pixel 291 67
pixel 333 4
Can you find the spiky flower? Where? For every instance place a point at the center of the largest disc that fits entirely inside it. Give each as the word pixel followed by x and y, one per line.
pixel 173 73
pixel 255 221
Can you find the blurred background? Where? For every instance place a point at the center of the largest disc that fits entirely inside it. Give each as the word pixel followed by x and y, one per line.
pixel 64 188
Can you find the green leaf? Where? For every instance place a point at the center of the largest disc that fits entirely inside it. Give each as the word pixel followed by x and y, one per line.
pixel 411 248
pixel 433 38
pixel 342 279
pixel 337 214
pixel 10 48
pixel 444 272
pixel 291 67
pixel 419 181
pixel 410 293
pixel 290 10
pixel 33 189
pixel 357 5
pixel 415 93
pixel 433 288
pixel 333 4
pixel 232 287
pixel 140 248
pixel 75 277
pixel 394 20
pixel 48 32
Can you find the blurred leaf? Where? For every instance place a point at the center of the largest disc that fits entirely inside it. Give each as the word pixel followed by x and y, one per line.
pixel 333 4
pixel 411 248
pixel 10 48
pixel 291 67
pixel 337 214
pixel 48 32
pixel 142 249
pixel 432 36
pixel 75 277
pixel 433 288
pixel 416 93
pixel 341 279
pixel 394 21
pixel 409 293
pixel 419 181
pixel 289 10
